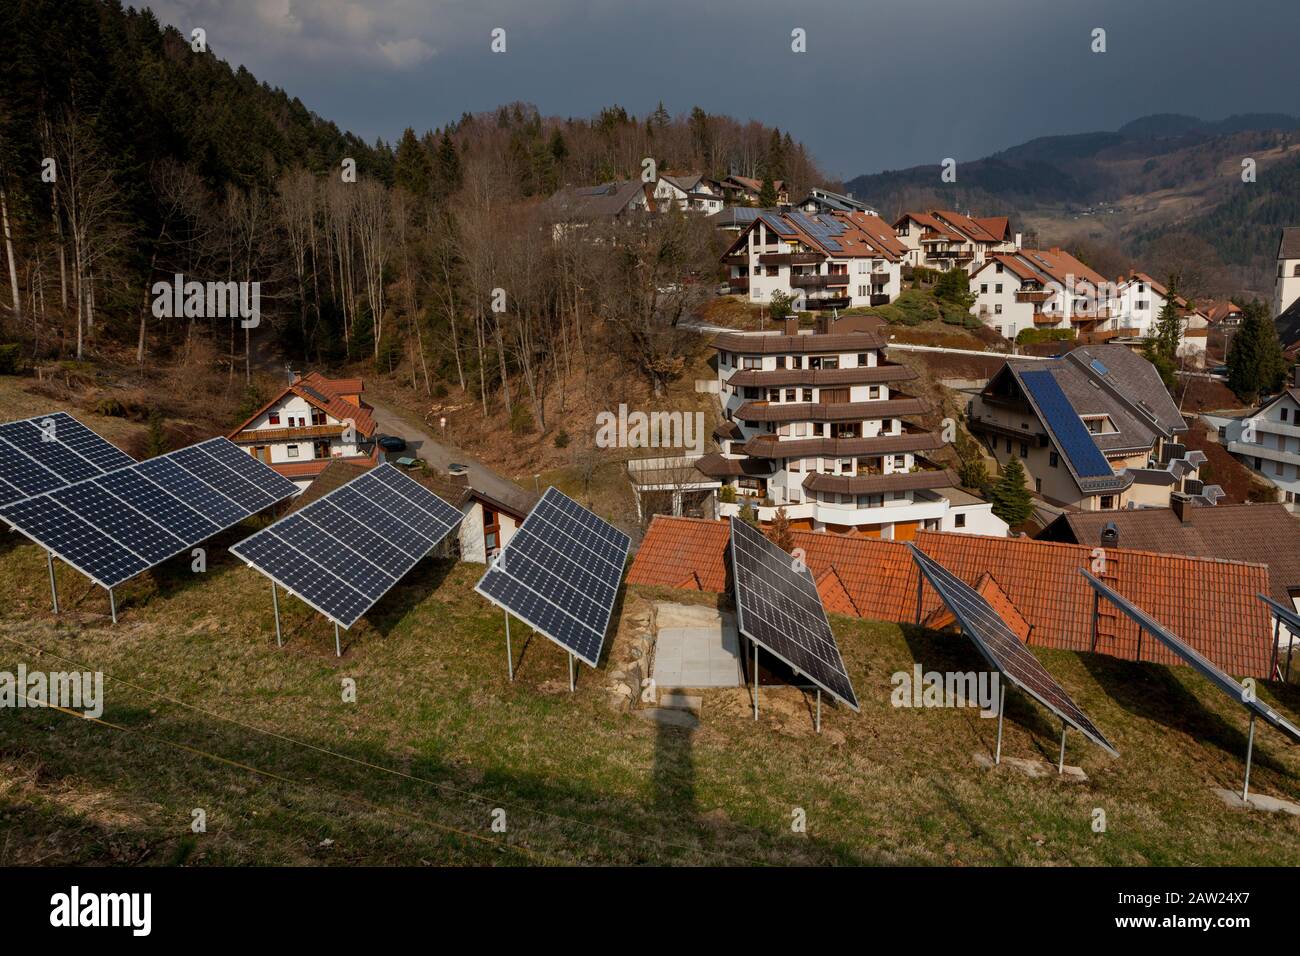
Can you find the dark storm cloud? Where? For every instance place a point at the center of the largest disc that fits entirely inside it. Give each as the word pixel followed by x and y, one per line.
pixel 883 85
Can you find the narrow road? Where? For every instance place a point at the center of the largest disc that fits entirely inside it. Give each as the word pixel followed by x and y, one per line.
pixel 439 455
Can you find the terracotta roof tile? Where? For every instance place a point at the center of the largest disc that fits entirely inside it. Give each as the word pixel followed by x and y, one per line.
pixel 1209 603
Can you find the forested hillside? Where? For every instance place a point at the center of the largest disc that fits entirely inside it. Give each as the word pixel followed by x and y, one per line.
pixel 436 259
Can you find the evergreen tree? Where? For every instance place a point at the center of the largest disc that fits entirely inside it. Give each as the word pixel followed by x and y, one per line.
pixel 767 195
pixel 411 167
pixel 1256 364
pixel 774 165
pixel 1011 499
pixel 448 166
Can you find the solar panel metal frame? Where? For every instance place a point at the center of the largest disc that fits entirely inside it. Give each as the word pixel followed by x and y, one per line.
pixel 1288 616
pixel 346 624
pixel 1198 661
pixel 619 541
pixel 1077 442
pixel 926 565
pixel 852 702
pixel 135 468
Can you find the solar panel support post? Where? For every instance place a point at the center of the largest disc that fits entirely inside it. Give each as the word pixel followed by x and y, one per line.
pixel 1060 764
pixel 1290 647
pixel 1250 750
pixel 1002 706
pixel 510 655
pixel 112 605
pixel 755 643
pixel 1096 603
pixel 54 590
pixel 570 673
pixel 338 647
pixel 275 606
pixel 1277 636
pixel 819 710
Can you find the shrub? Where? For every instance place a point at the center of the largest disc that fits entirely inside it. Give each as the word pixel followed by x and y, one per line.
pixel 727 494
pixel 521 420
pixel 10 360
pixel 111 408
pixel 562 439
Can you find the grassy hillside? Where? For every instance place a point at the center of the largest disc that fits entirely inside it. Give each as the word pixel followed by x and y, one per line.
pixel 203 711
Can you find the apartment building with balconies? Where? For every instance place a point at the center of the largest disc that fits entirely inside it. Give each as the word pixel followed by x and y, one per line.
pixel 1040 289
pixel 817 425
pixel 942 239
pixel 1096 430
pixel 1268 441
pixel 833 260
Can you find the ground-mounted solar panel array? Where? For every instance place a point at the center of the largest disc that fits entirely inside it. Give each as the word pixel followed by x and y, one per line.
pixel 50 451
pixel 1002 649
pixel 778 607
pixel 559 573
pixel 1065 423
pixel 111 523
pixel 1208 669
pixel 345 551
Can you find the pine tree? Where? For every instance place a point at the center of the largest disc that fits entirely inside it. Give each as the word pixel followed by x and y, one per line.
pixel 1011 499
pixel 1256 364
pixel 767 195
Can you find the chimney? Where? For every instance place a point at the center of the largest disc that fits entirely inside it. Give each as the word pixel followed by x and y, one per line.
pixel 1018 239
pixel 1182 506
pixel 791 325
pixel 1110 535
pixel 458 474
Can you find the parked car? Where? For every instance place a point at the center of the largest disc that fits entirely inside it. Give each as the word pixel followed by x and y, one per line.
pixel 391 443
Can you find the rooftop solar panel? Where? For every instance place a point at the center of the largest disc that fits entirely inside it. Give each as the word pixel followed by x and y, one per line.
pixel 345 551
pixel 1195 658
pixel 560 573
pixel 779 608
pixel 1002 649
pixel 1064 421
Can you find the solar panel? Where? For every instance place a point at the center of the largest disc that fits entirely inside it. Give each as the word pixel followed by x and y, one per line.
pixel 560 573
pixel 779 608
pixel 1099 367
pixel 41 447
pixel 68 431
pixel 1199 661
pixel 117 523
pixel 45 452
pixel 1074 437
pixel 345 551
pixel 1002 649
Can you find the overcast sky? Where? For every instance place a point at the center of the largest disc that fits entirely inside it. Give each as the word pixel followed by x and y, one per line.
pixel 882 85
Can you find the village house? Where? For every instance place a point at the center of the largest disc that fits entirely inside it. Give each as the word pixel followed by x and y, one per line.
pixel 746 190
pixel 310 423
pixel 820 260
pixel 1096 430
pixel 815 424
pixel 1136 311
pixel 691 193
pixel 823 200
pixel 942 239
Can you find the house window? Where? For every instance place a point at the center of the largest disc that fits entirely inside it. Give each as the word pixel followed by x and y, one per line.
pixel 1008 446
pixel 1283 414
pixel 959 520
pixel 873 391
pixel 1107 502
pixel 752 362
pixel 997 308
pixel 807 395
pixel 491 530
pixel 984 287
pixel 998 288
pixel 291 451
pixel 1024 450
pixel 1038 485
pixel 791 394
pixel 1054 459
pixel 273 418
pixel 862 360
pixel 780 361
pixel 317 417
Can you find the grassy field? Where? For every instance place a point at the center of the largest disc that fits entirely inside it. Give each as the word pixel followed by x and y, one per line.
pixel 204 712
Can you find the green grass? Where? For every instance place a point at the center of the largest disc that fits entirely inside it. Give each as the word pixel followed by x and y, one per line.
pixel 290 774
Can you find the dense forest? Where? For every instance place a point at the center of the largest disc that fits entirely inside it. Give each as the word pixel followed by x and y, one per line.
pixel 127 156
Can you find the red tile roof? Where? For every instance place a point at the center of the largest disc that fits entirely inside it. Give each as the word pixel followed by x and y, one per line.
pixel 327 395
pixel 1209 603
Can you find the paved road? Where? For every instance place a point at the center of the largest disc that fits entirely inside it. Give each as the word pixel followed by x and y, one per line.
pixel 439 455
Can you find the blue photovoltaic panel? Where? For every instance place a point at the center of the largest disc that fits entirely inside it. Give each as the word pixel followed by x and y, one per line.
pixel 117 523
pixel 1208 669
pixel 195 492
pixel 1099 367
pixel 86 443
pixel 75 541
pixel 559 573
pixel 779 608
pixel 169 511
pixel 244 493
pixel 20 472
pixel 1002 649
pixel 344 552
pixel 351 532
pixel 43 447
pixel 1066 425
pixel 121 522
pixel 249 468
